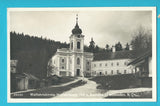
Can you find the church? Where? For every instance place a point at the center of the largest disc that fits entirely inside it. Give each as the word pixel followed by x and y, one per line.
pixel 73 61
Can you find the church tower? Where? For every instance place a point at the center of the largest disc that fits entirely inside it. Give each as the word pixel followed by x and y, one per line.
pixel 77 50
pixel 73 62
pixel 77 39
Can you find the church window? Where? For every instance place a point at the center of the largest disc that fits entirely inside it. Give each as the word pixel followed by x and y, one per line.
pixel 111 71
pixel 117 71
pixel 62 60
pixel 78 61
pixel 125 63
pixel 62 67
pixel 117 63
pixel 88 63
pixel 94 65
pixel 71 45
pixel 100 64
pixel 106 64
pixel 111 64
pixel 78 45
pixel 125 71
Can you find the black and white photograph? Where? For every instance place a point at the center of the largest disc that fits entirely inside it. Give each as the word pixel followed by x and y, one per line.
pixel 81 54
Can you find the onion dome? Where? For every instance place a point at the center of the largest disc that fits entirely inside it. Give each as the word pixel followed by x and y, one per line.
pixel 76 29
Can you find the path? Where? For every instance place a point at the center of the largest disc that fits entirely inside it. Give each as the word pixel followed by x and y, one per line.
pixel 88 90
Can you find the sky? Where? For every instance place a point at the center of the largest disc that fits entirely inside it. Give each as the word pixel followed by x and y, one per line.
pixel 106 27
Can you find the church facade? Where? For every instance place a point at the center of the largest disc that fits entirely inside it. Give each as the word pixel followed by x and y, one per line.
pixel 73 61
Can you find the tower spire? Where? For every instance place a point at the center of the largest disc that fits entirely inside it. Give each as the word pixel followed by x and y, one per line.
pixel 92 39
pixel 76 29
pixel 76 19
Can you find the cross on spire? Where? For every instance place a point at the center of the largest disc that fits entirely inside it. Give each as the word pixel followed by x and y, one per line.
pixel 76 18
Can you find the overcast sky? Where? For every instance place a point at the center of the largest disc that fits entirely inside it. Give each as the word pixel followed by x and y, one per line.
pixel 106 27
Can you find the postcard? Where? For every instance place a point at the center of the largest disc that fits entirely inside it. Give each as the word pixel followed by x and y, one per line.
pixel 87 54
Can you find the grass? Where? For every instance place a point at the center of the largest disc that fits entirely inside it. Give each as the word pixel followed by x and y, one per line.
pixel 65 79
pixel 116 82
pixel 48 92
pixel 56 80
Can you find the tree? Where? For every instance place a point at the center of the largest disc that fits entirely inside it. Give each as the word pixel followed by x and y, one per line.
pixel 142 39
pixel 33 53
pixel 107 47
pixel 118 46
pixel 51 69
pixel 127 47
pixel 96 49
pixel 92 45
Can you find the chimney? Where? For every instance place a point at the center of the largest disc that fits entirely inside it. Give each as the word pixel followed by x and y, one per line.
pixel 113 49
pixel 130 47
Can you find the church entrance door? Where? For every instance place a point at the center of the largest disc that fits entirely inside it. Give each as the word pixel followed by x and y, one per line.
pixel 78 72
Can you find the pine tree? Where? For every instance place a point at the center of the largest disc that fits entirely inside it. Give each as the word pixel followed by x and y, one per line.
pixel 92 46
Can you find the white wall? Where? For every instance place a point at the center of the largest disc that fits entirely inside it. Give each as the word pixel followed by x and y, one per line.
pixel 106 67
pixel 150 66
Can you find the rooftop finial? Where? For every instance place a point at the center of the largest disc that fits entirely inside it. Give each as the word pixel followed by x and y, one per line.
pixel 76 29
pixel 76 18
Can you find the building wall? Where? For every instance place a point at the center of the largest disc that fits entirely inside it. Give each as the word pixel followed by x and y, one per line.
pixel 150 66
pixel 75 39
pixel 87 66
pixel 13 65
pixel 22 84
pixel 67 63
pixel 111 67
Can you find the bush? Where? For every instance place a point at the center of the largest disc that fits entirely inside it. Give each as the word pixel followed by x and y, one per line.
pixel 116 82
pixel 55 80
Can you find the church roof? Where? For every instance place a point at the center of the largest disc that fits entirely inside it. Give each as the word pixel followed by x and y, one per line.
pixel 124 54
pixel 76 29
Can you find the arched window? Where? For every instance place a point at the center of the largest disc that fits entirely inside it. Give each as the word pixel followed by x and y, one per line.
pixel 78 61
pixel 62 60
pixel 78 45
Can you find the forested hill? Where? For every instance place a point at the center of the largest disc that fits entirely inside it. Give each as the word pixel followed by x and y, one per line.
pixel 33 53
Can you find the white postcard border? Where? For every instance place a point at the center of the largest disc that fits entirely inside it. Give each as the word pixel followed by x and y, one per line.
pixel 154 54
